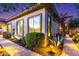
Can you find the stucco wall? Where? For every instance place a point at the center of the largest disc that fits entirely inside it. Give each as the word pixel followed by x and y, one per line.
pixel 25 18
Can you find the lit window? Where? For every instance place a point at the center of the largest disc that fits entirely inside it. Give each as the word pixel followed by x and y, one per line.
pixel 31 26
pixel 20 27
pixel 4 28
pixel 49 26
pixel 34 24
pixel 9 28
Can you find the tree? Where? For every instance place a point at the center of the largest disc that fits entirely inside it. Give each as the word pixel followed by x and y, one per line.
pixel 77 8
pixel 63 17
pixel 74 23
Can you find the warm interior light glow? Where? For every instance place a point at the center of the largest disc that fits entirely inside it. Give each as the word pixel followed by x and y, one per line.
pixel 34 24
pixel 4 28
pixel 51 46
pixel 20 27
pixel 9 28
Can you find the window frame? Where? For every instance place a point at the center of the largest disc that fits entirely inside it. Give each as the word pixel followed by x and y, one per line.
pixel 33 17
pixel 22 27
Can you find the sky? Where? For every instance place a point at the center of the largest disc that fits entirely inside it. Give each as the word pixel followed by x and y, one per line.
pixel 61 8
pixel 8 10
pixel 68 8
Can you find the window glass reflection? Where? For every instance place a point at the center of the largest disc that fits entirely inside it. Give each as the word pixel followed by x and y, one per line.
pixel 31 29
pixel 34 24
pixel 20 27
pixel 37 24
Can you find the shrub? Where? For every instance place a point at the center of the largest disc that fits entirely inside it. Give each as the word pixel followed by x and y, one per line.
pixel 35 39
pixel 6 35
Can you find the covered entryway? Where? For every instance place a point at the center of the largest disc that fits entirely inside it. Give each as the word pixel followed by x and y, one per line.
pixel 3 27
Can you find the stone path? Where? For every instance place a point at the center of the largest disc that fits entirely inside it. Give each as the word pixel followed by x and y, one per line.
pixel 69 49
pixel 15 50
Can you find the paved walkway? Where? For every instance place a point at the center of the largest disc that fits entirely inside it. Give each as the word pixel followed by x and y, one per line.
pixel 70 49
pixel 15 50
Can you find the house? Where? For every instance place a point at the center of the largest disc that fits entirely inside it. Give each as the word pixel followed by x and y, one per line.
pixel 38 18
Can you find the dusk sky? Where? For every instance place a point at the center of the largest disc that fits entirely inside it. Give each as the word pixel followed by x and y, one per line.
pixel 68 8
pixel 5 13
pixel 61 8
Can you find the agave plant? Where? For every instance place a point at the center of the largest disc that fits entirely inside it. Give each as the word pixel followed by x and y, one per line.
pixel 3 52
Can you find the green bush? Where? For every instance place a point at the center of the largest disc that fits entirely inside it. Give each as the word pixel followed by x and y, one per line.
pixel 35 39
pixel 6 35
